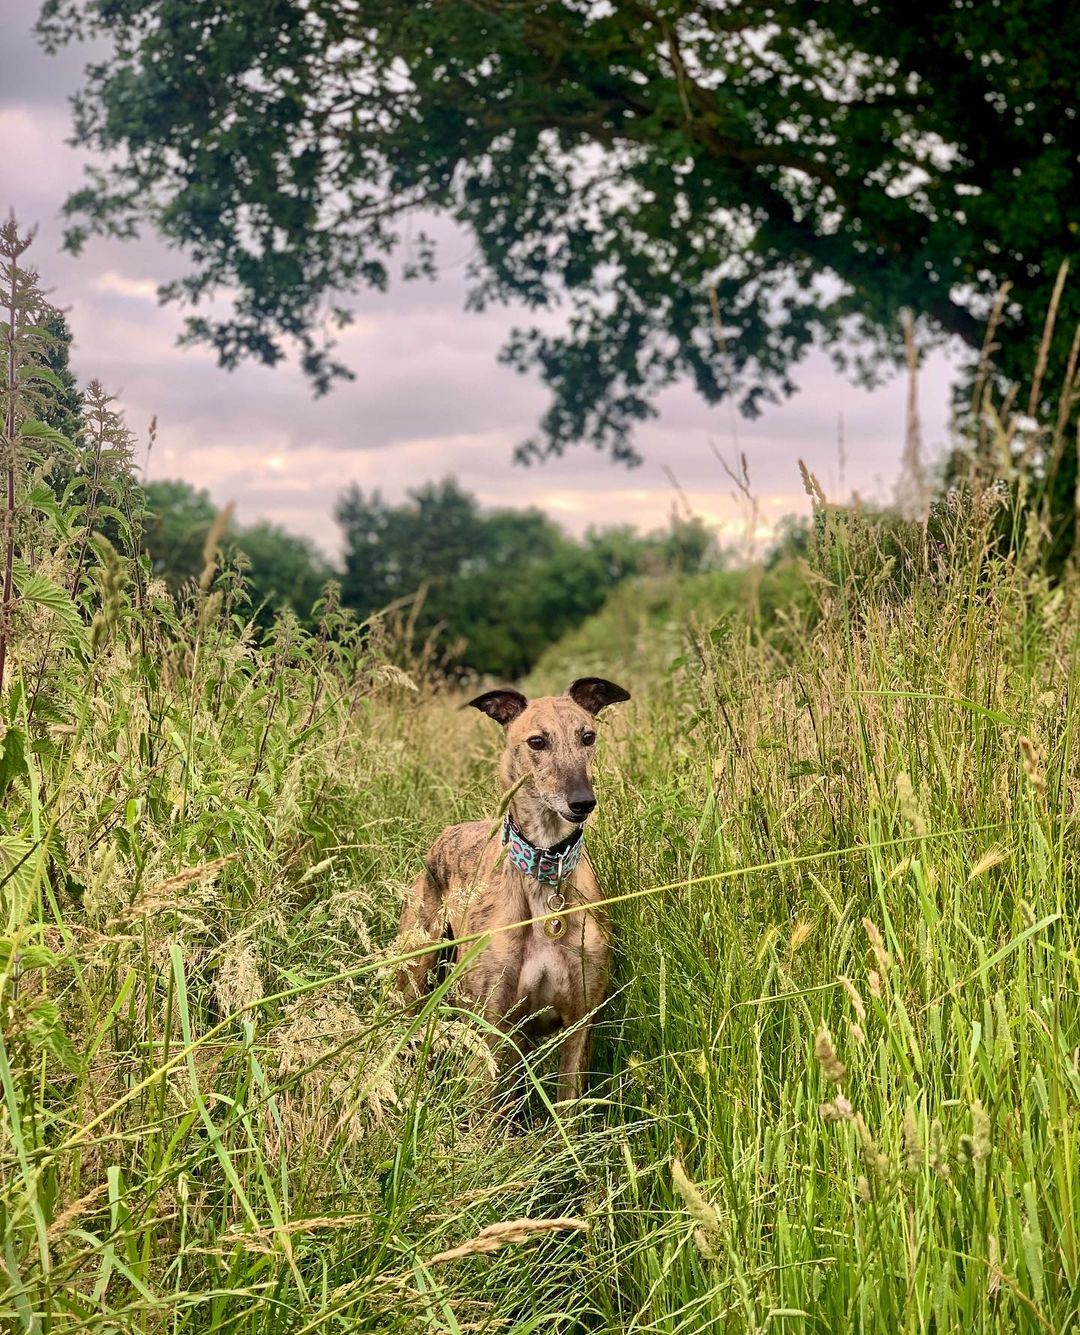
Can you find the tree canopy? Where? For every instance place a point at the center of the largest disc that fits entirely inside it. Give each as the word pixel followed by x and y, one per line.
pixel 280 568
pixel 488 589
pixel 708 187
pixel 498 586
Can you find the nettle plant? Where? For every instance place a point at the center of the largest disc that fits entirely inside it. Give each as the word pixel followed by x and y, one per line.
pixel 71 531
pixel 61 590
pixel 141 733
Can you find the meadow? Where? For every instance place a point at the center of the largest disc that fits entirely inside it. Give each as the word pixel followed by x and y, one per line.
pixel 837 1085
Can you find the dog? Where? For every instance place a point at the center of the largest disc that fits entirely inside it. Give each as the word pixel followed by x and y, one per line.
pixel 534 980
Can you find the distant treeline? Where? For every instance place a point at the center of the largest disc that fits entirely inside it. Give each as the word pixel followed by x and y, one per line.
pixel 481 590
pixel 485 590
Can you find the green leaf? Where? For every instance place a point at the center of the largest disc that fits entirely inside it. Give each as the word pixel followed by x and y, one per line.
pixel 43 498
pixel 20 861
pixel 12 758
pixel 117 516
pixel 47 1032
pixel 31 957
pixel 45 373
pixel 35 587
pixel 35 430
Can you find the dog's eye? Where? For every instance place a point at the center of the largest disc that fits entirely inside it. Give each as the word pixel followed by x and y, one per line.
pixel 538 743
pixel 587 738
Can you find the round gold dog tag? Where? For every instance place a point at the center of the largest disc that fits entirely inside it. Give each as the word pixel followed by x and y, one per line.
pixel 554 928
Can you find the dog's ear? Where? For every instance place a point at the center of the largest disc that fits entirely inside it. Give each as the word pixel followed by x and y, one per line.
pixel 594 693
pixel 503 705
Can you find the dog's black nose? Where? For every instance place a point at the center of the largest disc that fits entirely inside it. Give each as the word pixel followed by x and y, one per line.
pixel 583 805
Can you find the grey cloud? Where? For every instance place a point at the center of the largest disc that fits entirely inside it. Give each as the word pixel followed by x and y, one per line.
pixel 26 76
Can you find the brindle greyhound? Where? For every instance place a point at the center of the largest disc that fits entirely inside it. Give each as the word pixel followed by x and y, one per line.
pixel 536 979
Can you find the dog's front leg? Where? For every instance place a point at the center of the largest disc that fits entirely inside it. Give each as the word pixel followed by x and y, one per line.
pixel 572 1063
pixel 422 922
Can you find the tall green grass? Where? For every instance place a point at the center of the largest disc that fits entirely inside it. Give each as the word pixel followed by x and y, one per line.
pixel 837 1081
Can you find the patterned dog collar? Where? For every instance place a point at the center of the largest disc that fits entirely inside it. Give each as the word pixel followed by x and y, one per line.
pixel 549 866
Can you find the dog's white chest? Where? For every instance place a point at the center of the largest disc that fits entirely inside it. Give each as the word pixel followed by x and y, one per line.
pixel 544 977
pixel 542 960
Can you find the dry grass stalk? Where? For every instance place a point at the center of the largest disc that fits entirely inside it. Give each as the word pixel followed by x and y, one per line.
pixel 214 535
pixel 1066 401
pixel 993 857
pixel 1032 768
pixel 163 895
pixel 76 1210
pixel 510 1232
pixel 913 492
pixel 263 1240
pixel 1047 338
pixel 980 399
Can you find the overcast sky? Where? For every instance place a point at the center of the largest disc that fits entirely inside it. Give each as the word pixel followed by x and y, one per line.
pixel 429 399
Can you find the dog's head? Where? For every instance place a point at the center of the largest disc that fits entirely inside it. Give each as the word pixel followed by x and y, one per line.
pixel 551 742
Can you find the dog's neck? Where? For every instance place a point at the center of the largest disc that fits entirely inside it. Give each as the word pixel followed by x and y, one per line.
pixel 542 827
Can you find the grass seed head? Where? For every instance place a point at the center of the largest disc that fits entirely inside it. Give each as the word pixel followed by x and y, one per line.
pixel 77 1210
pixel 832 1068
pixel 111 583
pixel 939 1161
pixel 976 1146
pixel 696 1204
pixel 799 934
pixel 1032 768
pixel 909 806
pixel 993 857
pixel 876 1162
pixel 853 996
pixel 238 983
pixel 877 945
pixel 811 485
pixel 837 1110
pixel 913 1147
pixel 702 1243
pixel 510 1232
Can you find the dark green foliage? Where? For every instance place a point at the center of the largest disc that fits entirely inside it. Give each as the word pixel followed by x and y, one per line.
pixel 437 535
pixel 497 586
pixel 811 168
pixel 484 590
pixel 63 407
pixel 177 521
pixel 280 568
